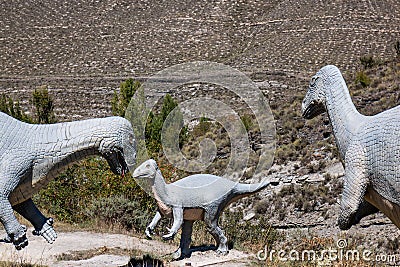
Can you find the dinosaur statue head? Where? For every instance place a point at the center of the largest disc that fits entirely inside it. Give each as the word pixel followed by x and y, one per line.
pixel 314 101
pixel 118 146
pixel 146 170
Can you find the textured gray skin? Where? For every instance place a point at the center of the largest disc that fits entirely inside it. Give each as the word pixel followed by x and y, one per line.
pixel 369 146
pixel 196 197
pixel 31 155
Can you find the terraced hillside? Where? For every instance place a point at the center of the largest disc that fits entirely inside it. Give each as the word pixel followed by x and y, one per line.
pixel 75 46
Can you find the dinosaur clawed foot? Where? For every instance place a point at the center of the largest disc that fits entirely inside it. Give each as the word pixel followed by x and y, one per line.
pixel 18 238
pixel 222 251
pixel 346 220
pixel 47 231
pixel 179 255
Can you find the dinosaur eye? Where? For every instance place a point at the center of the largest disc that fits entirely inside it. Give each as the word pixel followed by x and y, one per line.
pixel 314 80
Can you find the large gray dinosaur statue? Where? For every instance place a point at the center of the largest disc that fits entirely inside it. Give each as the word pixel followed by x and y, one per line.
pixel 31 155
pixel 369 146
pixel 196 197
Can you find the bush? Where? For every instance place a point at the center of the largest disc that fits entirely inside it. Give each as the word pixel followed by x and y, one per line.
pixel 155 123
pixel 397 48
pixel 119 210
pixel 367 61
pixel 8 106
pixel 247 121
pixel 247 234
pixel 44 106
pixel 363 79
pixel 71 196
pixel 120 101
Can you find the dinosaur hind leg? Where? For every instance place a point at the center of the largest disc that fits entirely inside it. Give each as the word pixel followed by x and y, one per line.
pixel 186 238
pixel 43 226
pixel 218 234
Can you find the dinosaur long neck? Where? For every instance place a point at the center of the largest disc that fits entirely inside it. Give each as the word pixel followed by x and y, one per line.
pixel 160 188
pixel 343 115
pixel 70 141
pixel 53 148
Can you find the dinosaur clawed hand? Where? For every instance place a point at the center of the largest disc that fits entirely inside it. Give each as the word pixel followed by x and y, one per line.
pixel 168 236
pixel 149 232
pixel 47 231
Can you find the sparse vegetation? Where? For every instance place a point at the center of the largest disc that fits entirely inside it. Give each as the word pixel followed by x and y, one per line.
pixel 88 192
pixel 120 101
pixel 12 108
pixel 120 211
pixel 17 264
pixel 368 61
pixel 397 48
pixel 362 79
pixel 43 104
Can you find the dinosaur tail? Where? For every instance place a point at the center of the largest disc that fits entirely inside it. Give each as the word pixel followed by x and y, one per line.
pixel 252 188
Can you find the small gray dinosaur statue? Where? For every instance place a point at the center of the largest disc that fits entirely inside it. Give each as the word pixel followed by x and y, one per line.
pixel 31 155
pixel 196 197
pixel 369 146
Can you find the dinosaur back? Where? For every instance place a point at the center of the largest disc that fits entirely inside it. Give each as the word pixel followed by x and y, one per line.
pixel 203 180
pixel 198 190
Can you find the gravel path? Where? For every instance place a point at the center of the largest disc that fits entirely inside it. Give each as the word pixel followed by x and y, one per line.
pixel 111 250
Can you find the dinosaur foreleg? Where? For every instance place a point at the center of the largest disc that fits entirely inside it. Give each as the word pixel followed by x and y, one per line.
pixel 43 226
pixel 15 231
pixel 178 219
pixel 217 233
pixel 10 176
pixel 186 238
pixel 152 225
pixel 355 186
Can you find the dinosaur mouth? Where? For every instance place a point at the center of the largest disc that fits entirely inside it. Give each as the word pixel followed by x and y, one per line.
pixel 117 163
pixel 312 110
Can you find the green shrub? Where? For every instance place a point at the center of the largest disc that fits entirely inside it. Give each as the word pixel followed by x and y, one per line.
pixel 247 121
pixel 397 48
pixel 41 100
pixel 202 128
pixel 8 106
pixel 155 124
pixel 250 234
pixel 363 79
pixel 367 61
pixel 120 101
pixel 71 196
pixel 119 210
pixel 43 103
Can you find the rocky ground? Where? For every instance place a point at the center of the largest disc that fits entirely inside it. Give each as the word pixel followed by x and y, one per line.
pixel 106 250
